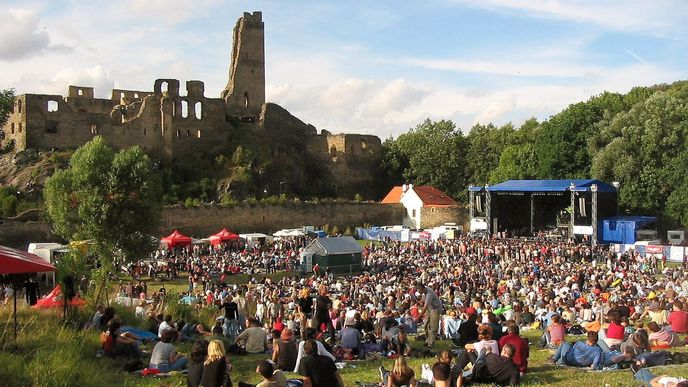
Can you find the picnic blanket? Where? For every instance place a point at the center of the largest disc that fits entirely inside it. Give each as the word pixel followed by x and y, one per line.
pixel 144 335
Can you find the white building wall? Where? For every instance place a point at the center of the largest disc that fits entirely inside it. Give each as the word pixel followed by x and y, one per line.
pixel 412 203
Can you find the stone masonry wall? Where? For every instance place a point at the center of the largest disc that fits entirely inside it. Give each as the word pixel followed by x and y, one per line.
pixel 206 220
pixel 437 216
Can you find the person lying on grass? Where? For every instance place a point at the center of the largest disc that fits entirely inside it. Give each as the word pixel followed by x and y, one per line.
pixel 581 354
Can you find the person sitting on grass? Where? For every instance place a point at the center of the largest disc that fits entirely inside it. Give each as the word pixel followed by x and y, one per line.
pixel 318 370
pixel 196 359
pixel 254 337
pixel 554 333
pixel 520 344
pixel 217 334
pixel 272 377
pixel 401 374
pixel 310 335
pixel 581 354
pixel 215 368
pixel 165 357
pixel 285 350
pixel 441 373
pixel 661 338
pixel 497 369
pixel 116 343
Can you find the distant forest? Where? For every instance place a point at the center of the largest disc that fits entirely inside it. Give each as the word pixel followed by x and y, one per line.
pixel 637 139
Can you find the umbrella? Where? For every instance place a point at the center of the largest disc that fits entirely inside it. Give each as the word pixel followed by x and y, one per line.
pixel 13 261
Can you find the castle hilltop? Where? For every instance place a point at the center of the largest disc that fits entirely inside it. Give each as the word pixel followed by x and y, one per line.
pixel 174 128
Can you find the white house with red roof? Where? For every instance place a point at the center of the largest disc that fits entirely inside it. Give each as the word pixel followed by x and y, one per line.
pixel 421 204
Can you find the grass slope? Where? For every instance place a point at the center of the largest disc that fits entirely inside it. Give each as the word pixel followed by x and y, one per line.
pixel 49 352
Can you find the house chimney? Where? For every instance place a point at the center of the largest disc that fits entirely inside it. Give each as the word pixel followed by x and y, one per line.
pixel 410 187
pixel 404 187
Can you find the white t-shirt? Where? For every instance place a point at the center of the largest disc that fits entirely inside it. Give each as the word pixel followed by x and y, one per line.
pixel 487 343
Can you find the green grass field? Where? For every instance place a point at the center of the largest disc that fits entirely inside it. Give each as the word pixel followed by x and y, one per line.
pixel 49 352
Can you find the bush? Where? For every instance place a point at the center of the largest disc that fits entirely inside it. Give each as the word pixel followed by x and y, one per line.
pixel 358 198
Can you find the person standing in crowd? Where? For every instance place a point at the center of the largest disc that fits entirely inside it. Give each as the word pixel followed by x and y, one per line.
pixel 322 312
pixel 231 318
pixel 432 306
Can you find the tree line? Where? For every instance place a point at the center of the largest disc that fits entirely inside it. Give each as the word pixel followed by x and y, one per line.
pixel 637 139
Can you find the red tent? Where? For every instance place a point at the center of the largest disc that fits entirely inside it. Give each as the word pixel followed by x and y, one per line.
pixel 13 261
pixel 223 236
pixel 176 239
pixel 54 299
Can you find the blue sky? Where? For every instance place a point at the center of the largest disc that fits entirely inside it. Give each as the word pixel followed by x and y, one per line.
pixel 378 67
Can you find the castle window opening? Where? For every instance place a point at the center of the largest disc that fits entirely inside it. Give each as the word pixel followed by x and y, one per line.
pixel 198 110
pixel 198 133
pixel 333 151
pixel 136 95
pixel 80 92
pixel 21 127
pixel 188 133
pixel 185 108
pixel 246 99
pixel 178 133
pixel 351 149
pixel 94 128
pixel 164 87
pixel 53 106
pixel 122 94
pixel 19 106
pixel 364 145
pixel 144 131
pixel 12 127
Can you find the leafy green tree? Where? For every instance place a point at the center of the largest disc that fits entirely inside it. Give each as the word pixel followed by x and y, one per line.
pixel 432 153
pixel 647 153
pixel 486 143
pixel 6 103
pixel 110 198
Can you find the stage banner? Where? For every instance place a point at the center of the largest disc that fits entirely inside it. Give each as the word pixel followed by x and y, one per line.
pixel 676 254
pixel 654 249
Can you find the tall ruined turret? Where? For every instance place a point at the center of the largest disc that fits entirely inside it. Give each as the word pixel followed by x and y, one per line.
pixel 245 90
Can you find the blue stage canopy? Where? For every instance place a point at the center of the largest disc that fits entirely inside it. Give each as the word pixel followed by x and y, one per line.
pixel 547 186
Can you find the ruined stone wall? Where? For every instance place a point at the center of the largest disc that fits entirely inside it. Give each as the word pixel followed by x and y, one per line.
pixel 245 91
pixel 15 127
pixel 206 220
pixel 436 216
pixel 19 234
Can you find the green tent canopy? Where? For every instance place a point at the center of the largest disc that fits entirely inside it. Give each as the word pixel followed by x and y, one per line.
pixel 340 255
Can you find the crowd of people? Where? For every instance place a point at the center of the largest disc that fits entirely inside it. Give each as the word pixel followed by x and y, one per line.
pixel 630 310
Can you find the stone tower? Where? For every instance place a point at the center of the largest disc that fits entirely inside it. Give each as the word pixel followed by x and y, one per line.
pixel 245 90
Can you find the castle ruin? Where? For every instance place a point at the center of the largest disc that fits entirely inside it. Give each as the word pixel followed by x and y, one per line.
pixel 172 127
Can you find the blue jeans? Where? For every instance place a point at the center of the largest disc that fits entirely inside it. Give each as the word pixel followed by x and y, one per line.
pixel 180 364
pixel 645 376
pixel 230 329
pixel 560 353
pixel 653 358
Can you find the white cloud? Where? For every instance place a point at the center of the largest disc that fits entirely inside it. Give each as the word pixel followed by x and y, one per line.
pixel 662 18
pixel 21 36
pixel 171 11
pixel 96 77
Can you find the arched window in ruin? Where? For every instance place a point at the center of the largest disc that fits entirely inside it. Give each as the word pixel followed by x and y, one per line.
pixel 21 127
pixel 53 106
pixel 19 106
pixel 136 95
pixel 364 146
pixel 198 110
pixel 80 92
pixel 144 131
pixel 185 108
pixel 333 151
pixel 198 133
pixel 246 99
pixel 12 127
pixel 178 133
pixel 164 87
pixel 188 133
pixel 94 128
